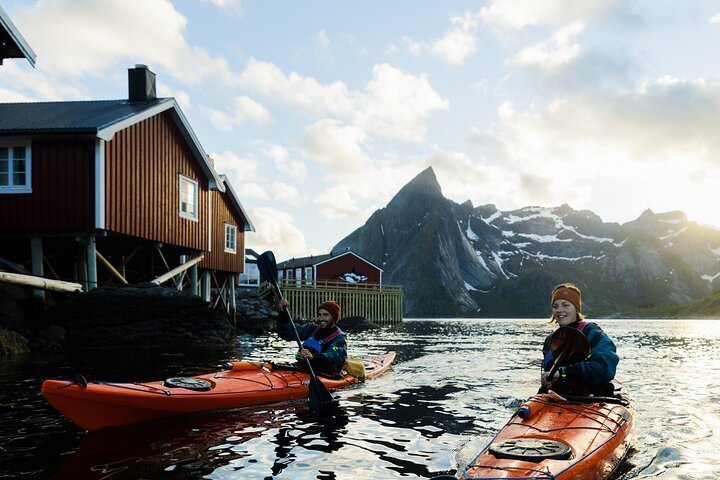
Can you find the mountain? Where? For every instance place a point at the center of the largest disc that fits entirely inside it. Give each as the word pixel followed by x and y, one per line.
pixel 458 260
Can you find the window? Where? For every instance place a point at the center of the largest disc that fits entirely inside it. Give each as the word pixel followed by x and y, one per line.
pixel 230 238
pixel 188 198
pixel 308 274
pixel 15 168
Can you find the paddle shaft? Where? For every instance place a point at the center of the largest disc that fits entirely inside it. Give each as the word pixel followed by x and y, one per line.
pixel 292 322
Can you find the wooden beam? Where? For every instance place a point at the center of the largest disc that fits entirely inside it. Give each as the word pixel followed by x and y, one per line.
pixel 181 268
pixel 105 263
pixel 39 282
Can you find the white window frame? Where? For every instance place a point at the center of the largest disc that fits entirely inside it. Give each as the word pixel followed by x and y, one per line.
pixel 183 180
pixel 230 234
pixel 308 274
pixel 10 144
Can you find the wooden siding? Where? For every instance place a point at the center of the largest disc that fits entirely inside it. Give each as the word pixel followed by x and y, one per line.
pixel 142 164
pixel 222 212
pixel 61 198
pixel 332 269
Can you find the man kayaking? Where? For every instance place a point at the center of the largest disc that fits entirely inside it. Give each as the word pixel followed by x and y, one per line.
pixel 323 342
pixel 591 375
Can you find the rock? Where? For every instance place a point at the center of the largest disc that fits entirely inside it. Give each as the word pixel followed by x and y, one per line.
pixel 356 324
pixel 139 316
pixel 12 343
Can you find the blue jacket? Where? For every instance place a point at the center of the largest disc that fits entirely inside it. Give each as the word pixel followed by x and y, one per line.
pixel 332 356
pixel 592 375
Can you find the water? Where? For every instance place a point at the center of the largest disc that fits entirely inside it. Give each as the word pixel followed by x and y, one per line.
pixel 455 383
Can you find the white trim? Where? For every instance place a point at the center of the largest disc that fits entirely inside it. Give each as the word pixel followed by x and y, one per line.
pixel 100 183
pixel 17 37
pixel 335 257
pixel 194 216
pixel 10 143
pixel 108 132
pixel 234 229
pixel 210 218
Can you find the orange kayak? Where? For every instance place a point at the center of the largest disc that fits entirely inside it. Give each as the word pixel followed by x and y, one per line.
pixel 560 438
pixel 97 405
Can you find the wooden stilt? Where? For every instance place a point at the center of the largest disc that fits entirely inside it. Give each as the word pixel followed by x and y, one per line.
pixel 194 279
pixel 91 262
pixel 105 263
pixel 36 252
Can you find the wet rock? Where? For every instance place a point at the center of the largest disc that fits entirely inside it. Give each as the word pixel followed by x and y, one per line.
pixel 356 324
pixel 12 343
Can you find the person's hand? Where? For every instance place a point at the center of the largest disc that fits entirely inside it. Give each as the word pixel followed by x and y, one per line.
pixel 548 382
pixel 283 305
pixel 304 353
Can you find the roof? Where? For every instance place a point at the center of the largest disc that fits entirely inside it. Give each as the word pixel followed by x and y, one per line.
pixel 100 118
pixel 314 260
pixel 248 226
pixel 12 43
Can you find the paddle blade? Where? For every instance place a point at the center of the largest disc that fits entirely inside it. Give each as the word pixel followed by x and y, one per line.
pixel 268 266
pixel 319 396
pixel 569 343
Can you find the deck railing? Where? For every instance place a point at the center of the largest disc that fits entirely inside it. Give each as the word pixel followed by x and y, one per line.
pixel 381 304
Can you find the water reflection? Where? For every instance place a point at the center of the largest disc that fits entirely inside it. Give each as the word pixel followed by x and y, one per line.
pixel 454 385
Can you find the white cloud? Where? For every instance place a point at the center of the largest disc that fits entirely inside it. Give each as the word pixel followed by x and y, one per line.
pixel 397 104
pixel 553 53
pixel 393 105
pixel 244 110
pixel 517 14
pixel 250 190
pixel 285 193
pixel 454 47
pixel 322 38
pixel 715 19
pixel 276 231
pixel 335 146
pixel 79 38
pixel 237 169
pixel 281 158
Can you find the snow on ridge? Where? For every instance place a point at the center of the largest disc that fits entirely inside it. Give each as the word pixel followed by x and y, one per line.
pixel 482 260
pixel 672 220
pixel 715 251
pixel 470 288
pixel 710 278
pixel 588 237
pixel 541 213
pixel 469 232
pixel 492 217
pixel 542 256
pixel 673 233
pixel 499 262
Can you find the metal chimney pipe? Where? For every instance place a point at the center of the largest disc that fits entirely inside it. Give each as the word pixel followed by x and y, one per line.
pixel 141 84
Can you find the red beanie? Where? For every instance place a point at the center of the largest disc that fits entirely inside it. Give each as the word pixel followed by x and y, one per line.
pixel 571 294
pixel 332 307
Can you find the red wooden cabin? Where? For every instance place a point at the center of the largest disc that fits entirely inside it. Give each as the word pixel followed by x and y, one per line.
pixel 347 267
pixel 124 184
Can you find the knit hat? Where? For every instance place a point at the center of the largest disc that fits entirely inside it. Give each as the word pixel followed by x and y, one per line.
pixel 332 307
pixel 571 294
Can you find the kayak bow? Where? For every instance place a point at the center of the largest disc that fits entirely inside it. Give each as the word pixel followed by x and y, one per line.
pixel 559 438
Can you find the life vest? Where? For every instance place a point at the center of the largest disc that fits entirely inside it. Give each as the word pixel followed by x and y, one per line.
pixel 313 343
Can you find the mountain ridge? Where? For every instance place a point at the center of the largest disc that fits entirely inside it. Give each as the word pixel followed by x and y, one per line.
pixel 457 260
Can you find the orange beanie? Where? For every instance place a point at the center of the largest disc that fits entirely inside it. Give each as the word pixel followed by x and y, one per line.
pixel 570 294
pixel 332 307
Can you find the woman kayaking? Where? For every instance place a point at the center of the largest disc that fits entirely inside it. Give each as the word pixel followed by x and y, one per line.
pixel 591 374
pixel 323 342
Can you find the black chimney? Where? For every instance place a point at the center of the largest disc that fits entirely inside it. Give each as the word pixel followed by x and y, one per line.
pixel 141 84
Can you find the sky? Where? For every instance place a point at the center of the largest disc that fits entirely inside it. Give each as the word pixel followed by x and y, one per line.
pixel 320 111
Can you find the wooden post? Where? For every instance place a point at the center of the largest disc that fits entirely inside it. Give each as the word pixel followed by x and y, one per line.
pixel 39 282
pixel 105 263
pixel 36 252
pixel 194 279
pixel 92 262
pixel 179 269
pixel 205 287
pixel 233 301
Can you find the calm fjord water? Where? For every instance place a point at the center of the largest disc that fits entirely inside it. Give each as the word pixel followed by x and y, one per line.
pixel 455 383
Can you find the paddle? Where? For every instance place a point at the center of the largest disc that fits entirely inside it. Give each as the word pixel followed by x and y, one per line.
pixel 319 396
pixel 567 343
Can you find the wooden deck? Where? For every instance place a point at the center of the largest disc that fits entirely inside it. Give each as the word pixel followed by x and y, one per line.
pixel 381 304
